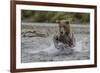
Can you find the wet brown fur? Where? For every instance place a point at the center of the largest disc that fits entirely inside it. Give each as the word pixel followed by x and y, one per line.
pixel 65 36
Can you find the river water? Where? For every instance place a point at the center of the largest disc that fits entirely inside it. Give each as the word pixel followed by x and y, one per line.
pixel 40 48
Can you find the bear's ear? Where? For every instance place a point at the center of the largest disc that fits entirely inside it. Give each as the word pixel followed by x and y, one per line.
pixel 57 21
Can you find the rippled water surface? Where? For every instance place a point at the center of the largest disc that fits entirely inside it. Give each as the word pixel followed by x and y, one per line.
pixel 37 46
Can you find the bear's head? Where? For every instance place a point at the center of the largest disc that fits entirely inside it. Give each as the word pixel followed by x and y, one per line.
pixel 64 27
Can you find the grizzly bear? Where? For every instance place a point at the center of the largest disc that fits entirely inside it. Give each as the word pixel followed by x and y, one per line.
pixel 65 38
